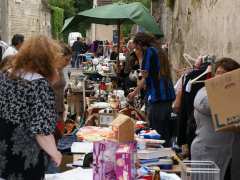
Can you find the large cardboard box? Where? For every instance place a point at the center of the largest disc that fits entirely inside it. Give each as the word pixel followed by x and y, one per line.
pixel 224 100
pixel 123 127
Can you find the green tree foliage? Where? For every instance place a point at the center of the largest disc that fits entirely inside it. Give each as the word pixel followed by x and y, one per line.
pixel 81 5
pixel 67 5
pixel 70 8
pixel 60 10
pixel 126 28
pixel 57 21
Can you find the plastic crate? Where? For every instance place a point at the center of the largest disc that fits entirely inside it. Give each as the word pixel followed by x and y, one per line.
pixel 199 170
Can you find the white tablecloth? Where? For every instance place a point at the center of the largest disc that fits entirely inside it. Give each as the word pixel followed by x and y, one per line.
pixel 75 174
pixel 87 174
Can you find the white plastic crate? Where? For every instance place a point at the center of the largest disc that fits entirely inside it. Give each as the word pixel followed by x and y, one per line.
pixel 199 170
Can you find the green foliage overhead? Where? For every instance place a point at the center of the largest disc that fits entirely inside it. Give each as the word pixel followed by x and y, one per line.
pixel 126 29
pixel 57 21
pixel 67 5
pixel 70 8
pixel 82 5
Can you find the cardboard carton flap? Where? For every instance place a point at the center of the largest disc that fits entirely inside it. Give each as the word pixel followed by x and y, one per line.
pixel 224 99
pixel 121 119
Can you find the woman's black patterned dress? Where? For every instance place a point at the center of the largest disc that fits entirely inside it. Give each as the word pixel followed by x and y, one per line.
pixel 27 108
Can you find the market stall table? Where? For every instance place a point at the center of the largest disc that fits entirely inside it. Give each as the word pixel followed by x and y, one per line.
pixel 75 100
pixel 74 174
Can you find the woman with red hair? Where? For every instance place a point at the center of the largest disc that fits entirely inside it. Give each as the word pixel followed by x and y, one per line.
pixel 27 111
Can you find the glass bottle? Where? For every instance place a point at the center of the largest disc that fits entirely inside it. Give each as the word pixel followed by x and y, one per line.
pixel 157 175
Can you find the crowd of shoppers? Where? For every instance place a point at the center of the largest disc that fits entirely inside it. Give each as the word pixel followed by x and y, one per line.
pixel 32 103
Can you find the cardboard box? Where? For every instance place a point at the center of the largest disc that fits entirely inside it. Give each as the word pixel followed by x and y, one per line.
pixel 125 162
pixel 104 160
pixel 224 100
pixel 123 127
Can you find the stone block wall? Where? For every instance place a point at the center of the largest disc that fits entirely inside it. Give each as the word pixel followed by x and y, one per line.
pixel 200 27
pixel 3 19
pixel 27 17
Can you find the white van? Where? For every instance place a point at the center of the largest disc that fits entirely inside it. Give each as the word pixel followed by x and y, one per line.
pixel 72 37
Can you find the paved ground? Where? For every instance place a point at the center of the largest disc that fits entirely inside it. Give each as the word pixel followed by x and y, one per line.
pixel 66 70
pixel 69 69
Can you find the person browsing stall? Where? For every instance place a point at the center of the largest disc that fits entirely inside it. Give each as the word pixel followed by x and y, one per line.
pixel 114 53
pixel 209 145
pixel 59 87
pixel 130 66
pixel 157 79
pixel 17 41
pixel 27 111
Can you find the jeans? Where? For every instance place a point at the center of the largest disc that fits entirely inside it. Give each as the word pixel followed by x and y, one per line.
pixel 52 168
pixel 77 60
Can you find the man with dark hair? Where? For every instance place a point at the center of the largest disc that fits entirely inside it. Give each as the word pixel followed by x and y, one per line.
pixel 1 50
pixel 17 42
pixel 130 67
pixel 114 53
pixel 78 48
pixel 3 47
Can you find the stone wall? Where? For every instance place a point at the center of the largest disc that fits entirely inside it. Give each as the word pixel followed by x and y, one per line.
pixel 3 19
pixel 201 27
pixel 163 17
pixel 27 17
pixel 99 31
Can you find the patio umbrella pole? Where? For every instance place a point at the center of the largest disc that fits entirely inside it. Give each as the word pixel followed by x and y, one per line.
pixel 119 34
pixel 118 46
